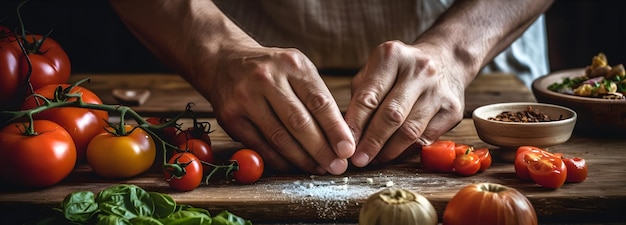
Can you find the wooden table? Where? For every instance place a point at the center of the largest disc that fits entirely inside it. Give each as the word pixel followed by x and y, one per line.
pixel 305 199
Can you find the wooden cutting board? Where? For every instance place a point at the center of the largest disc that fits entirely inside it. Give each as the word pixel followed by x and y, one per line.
pixel 294 198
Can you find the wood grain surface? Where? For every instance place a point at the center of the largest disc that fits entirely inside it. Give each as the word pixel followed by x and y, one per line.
pixel 300 198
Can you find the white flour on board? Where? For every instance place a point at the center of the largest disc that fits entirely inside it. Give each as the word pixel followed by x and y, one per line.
pixel 332 198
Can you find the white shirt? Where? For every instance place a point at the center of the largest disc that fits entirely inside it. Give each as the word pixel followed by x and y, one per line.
pixel 340 34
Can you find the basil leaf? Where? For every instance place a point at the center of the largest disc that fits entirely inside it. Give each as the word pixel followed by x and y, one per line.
pixel 79 206
pixel 188 215
pixel 127 201
pixel 112 220
pixel 143 220
pixel 227 218
pixel 164 205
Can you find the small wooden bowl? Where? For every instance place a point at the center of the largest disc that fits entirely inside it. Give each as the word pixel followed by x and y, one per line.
pixel 595 116
pixel 511 135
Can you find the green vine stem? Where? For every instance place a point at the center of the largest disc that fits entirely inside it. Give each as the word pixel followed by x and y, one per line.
pixel 65 99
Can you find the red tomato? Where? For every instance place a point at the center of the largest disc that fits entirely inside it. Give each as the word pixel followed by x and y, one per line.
pixel 113 156
pixel 192 133
pixel 249 166
pixel 167 133
pixel 577 169
pixel 549 172
pixel 36 161
pixel 50 65
pixel 82 124
pixel 460 149
pixel 193 172
pixel 489 204
pixel 467 164
pixel 200 149
pixel 542 167
pixel 485 158
pixel 438 156
pixel 524 155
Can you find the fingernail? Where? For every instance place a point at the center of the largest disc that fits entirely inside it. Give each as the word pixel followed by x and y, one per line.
pixel 360 159
pixel 345 149
pixel 338 166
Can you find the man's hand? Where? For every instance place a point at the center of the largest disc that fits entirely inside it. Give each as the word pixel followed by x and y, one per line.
pixel 404 94
pixel 274 101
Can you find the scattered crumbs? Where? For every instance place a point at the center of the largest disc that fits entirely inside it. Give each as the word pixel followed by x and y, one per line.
pixel 389 184
pixel 369 180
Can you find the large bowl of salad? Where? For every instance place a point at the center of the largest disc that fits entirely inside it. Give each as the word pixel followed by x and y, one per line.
pixel 596 92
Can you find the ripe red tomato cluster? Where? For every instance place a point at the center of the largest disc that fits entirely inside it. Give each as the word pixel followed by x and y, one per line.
pixel 550 170
pixel 196 156
pixel 44 152
pixel 29 61
pixel 447 156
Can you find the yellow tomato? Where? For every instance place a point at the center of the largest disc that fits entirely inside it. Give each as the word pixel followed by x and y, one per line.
pixel 113 156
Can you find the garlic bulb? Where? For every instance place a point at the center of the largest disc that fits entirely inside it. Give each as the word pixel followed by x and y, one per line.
pixel 397 207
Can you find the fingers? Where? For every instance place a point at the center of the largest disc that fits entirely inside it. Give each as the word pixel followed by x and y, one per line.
pixel 289 105
pixel 308 111
pixel 400 97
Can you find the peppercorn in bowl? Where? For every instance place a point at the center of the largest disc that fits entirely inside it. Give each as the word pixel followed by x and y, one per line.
pixel 510 125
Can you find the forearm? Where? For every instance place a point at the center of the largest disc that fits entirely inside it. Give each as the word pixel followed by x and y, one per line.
pixel 475 31
pixel 182 34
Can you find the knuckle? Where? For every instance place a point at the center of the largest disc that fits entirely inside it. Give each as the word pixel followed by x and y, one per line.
pixel 280 137
pixel 318 102
pixel 410 131
pixel 299 121
pixel 367 100
pixel 393 115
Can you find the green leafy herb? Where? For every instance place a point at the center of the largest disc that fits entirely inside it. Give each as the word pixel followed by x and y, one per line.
pixel 126 204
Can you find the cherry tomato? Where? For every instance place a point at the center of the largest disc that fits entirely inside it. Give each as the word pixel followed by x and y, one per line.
pixel 193 172
pixel 167 133
pixel 82 124
pixel 249 166
pixel 125 156
pixel 485 158
pixel 549 172
pixel 542 167
pixel 192 133
pixel 489 204
pixel 467 164
pixel 523 156
pixel 50 65
pixel 460 149
pixel 200 149
pixel 36 161
pixel 438 156
pixel 577 169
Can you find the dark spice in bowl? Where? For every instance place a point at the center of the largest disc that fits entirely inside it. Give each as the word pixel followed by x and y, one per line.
pixel 529 115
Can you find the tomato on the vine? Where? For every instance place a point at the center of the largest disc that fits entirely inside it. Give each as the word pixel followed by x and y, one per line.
pixel 577 169
pixel 249 166
pixel 113 156
pixel 36 161
pixel 192 133
pixel 167 133
pixel 193 172
pixel 467 164
pixel 82 124
pixel 200 149
pixel 438 156
pixel 49 64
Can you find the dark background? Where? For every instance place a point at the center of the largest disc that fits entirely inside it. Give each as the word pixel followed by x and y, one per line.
pixel 97 41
